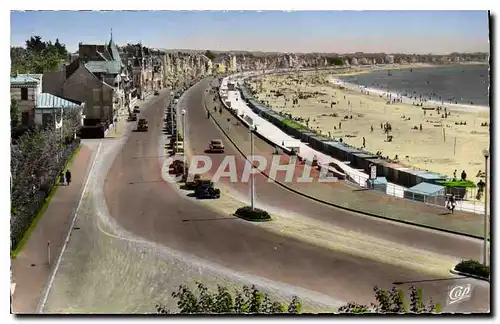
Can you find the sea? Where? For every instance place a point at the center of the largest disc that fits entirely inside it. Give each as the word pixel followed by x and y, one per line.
pixel 456 84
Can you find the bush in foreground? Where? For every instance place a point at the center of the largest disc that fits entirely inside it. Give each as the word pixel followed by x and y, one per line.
pixel 474 268
pixel 252 214
pixel 252 301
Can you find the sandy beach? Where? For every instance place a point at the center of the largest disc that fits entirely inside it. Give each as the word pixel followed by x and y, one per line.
pixel 422 137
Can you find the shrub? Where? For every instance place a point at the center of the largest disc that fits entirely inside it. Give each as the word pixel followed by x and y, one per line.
pixel 253 215
pixel 252 301
pixel 474 268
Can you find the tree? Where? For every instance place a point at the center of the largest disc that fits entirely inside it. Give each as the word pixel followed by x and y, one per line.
pixel 38 56
pixel 35 44
pixel 252 301
pixel 14 114
pixel 210 55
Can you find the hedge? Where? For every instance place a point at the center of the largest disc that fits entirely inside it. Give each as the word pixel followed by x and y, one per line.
pixel 256 214
pixel 474 268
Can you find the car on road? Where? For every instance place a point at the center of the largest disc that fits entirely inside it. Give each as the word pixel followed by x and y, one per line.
pixel 157 93
pixel 137 110
pixel 206 190
pixel 216 146
pixel 142 125
pixel 192 181
pixel 132 117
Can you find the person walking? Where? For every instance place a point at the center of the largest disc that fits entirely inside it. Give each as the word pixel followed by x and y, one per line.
pixel 62 179
pixel 68 177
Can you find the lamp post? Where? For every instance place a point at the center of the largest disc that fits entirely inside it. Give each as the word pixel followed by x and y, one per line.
pixel 183 112
pixel 486 154
pixel 252 128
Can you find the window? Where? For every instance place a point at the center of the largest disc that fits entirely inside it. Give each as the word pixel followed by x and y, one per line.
pixel 96 94
pixel 24 93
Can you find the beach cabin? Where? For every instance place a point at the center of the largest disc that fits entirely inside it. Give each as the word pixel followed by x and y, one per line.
pixel 360 160
pixel 379 184
pixel 430 177
pixel 305 135
pixel 339 151
pixel 381 166
pixel 427 193
pixel 318 143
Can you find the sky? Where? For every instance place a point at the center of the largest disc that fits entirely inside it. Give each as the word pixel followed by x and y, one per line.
pixel 419 32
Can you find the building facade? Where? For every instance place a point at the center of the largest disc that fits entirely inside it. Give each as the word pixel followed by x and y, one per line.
pixel 25 88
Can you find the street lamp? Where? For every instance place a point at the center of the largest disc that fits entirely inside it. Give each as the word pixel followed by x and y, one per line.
pixel 252 129
pixel 486 154
pixel 183 112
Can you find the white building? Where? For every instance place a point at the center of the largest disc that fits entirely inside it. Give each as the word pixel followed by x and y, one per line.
pixel 25 88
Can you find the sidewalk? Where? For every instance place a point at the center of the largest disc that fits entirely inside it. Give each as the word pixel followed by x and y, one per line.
pixel 367 201
pixel 30 270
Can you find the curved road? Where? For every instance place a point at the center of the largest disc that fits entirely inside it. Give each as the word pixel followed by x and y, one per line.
pixel 142 203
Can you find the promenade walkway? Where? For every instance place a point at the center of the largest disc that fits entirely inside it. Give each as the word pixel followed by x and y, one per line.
pixel 31 269
pixel 281 139
pixel 353 197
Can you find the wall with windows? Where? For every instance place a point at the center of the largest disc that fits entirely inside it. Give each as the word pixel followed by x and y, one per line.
pixel 26 97
pixel 85 87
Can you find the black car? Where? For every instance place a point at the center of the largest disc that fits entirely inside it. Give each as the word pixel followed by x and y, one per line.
pixel 137 110
pixel 206 191
pixel 132 117
pixel 157 93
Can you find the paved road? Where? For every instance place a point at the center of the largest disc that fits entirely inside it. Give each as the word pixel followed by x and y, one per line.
pixel 143 204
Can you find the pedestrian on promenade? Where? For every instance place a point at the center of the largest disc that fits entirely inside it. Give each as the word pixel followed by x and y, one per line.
pixel 62 179
pixel 464 175
pixel 364 142
pixel 455 175
pixel 68 177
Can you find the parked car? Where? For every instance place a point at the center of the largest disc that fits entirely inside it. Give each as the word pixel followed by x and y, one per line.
pixel 205 190
pixel 192 181
pixel 142 125
pixel 216 146
pixel 132 117
pixel 157 93
pixel 137 110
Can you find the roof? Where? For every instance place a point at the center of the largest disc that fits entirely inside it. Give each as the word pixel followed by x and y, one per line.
pixel 426 188
pixel 25 79
pixel 378 180
pixel 49 101
pixel 110 67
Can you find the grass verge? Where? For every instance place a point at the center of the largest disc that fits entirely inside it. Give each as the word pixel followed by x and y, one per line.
pixel 294 124
pixel 27 234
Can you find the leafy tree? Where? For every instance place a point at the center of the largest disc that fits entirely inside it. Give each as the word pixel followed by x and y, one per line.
pixel 35 44
pixel 251 301
pixel 14 113
pixel 210 55
pixel 37 157
pixel 38 56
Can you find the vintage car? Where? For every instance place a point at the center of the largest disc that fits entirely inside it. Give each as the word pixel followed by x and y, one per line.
pixel 136 110
pixel 205 190
pixel 216 146
pixel 142 125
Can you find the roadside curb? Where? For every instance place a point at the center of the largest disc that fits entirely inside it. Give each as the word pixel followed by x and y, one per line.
pixel 459 273
pixel 252 220
pixel 329 203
